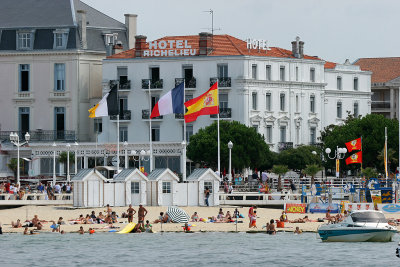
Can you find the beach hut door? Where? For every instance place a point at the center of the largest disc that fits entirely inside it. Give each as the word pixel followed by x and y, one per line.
pixel 135 193
pixel 143 192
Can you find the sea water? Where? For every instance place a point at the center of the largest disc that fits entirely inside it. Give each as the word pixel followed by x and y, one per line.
pixel 190 249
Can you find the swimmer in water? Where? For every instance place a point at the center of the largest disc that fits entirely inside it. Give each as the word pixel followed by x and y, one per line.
pixel 81 231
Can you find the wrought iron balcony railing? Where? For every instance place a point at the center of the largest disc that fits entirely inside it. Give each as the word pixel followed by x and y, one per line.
pixel 146 115
pixel 123 84
pixel 179 116
pixel 285 145
pixel 124 115
pixel 188 83
pixel 42 135
pixel 154 84
pixel 222 81
pixel 224 113
pixel 380 104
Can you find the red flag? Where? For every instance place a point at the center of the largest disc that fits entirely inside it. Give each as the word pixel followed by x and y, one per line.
pixel 355 158
pixel 354 145
pixel 224 173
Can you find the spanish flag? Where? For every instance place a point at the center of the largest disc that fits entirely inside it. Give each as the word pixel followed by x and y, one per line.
pixel 205 104
pixel 354 144
pixel 355 158
pixel 107 106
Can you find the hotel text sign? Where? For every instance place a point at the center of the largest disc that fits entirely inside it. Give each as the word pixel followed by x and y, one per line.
pixel 257 44
pixel 169 48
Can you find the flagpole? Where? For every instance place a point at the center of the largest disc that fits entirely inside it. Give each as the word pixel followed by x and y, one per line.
pixel 118 128
pixel 361 152
pixel 184 136
pixel 219 153
pixel 150 133
pixel 386 167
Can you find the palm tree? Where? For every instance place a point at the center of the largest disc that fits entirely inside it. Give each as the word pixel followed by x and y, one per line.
pixel 13 166
pixel 312 170
pixel 280 170
pixel 63 159
pixel 391 157
pixel 369 172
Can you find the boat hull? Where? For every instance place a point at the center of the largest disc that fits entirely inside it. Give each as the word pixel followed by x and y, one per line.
pixel 356 235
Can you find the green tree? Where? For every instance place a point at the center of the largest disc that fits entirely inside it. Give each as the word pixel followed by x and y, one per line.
pixel 369 172
pixel 280 170
pixel 298 158
pixel 312 170
pixel 249 148
pixel 372 129
pixel 13 166
pixel 391 158
pixel 63 158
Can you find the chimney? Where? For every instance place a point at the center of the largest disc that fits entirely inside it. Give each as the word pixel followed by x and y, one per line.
pixel 205 43
pixel 140 45
pixel 298 48
pixel 301 49
pixel 82 27
pixel 130 23
pixel 117 48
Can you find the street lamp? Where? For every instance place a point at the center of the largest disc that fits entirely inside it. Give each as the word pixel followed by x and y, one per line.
pixel 54 164
pixel 337 155
pixel 230 145
pixel 14 138
pixel 68 148
pixel 126 154
pixel 76 157
pixel 184 160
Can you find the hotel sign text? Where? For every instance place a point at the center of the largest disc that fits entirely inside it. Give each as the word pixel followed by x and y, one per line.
pixel 169 48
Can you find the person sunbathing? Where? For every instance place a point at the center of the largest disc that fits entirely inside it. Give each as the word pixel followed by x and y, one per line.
pixel 55 227
pixel 195 217
pixel 301 220
pixel 100 218
pixel 35 220
pixel 16 224
pixel 228 217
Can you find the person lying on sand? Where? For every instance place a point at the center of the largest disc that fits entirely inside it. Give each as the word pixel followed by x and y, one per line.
pixel 16 224
pixel 301 220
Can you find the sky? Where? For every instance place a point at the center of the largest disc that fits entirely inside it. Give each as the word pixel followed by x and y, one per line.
pixel 334 30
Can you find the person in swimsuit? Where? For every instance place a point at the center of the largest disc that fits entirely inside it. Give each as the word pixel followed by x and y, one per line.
pixel 195 217
pixel 271 227
pixel 26 231
pixel 131 211
pixel 298 231
pixel 16 224
pixel 141 215
pixel 81 231
pixel 109 210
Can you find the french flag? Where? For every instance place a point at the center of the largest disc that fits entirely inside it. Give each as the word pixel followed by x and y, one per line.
pixel 171 102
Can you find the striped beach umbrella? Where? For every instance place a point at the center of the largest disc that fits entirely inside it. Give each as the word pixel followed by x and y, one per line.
pixel 177 215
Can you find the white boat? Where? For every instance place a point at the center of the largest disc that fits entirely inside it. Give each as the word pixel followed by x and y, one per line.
pixel 359 226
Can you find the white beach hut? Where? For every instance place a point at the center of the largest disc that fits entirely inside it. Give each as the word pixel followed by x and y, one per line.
pixel 88 188
pixel 162 188
pixel 131 187
pixel 200 179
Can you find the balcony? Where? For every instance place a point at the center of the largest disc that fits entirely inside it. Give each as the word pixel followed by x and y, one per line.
pixel 154 84
pixel 124 115
pixel 124 85
pixel 285 145
pixel 222 82
pixel 146 115
pixel 43 135
pixel 179 116
pixel 380 105
pixel 224 113
pixel 188 83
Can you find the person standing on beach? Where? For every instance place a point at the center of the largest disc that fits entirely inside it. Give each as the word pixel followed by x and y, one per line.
pixel 142 212
pixel 131 211
pixel 206 196
pixel 109 210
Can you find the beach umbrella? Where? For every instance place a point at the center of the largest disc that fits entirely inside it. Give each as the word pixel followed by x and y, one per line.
pixel 177 215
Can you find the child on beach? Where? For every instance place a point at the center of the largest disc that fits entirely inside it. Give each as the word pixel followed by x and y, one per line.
pixel 253 219
pixel 148 227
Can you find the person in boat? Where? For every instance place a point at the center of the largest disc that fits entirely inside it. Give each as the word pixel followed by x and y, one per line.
pixel 271 227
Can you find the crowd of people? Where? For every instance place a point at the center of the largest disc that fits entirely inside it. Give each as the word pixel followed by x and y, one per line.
pixel 17 191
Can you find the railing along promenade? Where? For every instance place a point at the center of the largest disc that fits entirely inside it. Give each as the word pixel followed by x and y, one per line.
pixel 35 199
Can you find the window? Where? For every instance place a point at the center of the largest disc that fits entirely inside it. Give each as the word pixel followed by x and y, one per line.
pixel 355 84
pixel 254 101
pixel 123 105
pixel 282 102
pixel 123 133
pixel 339 110
pixel 154 100
pixel 268 101
pixel 25 40
pixel 60 38
pixel 339 83
pixel 155 74
pixel 313 137
pixel 59 77
pixel 24 119
pixel 155 133
pixel 312 104
pixel 222 70
pixel 282 73
pixel 166 187
pixel 269 133
pixel 283 134
pixel 355 108
pixel 254 71
pixel 110 38
pixel 98 125
pixel 24 77
pixel 135 188
pixel 223 101
pixel 189 132
pixel 297 103
pixel 122 73
pixel 312 75
pixel 268 73
pixel 255 127
pixel 209 185
pixel 59 122
pixel 297 74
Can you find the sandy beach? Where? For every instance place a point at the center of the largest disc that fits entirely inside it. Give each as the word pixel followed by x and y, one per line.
pixel 49 213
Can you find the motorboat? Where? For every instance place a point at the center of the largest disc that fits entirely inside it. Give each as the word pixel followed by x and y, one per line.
pixel 359 226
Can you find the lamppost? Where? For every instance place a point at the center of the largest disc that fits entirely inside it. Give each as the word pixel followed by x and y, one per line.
pixel 54 163
pixel 322 160
pixel 76 157
pixel 230 145
pixel 68 148
pixel 337 155
pixel 184 160
pixel 14 138
pixel 140 156
pixel 126 154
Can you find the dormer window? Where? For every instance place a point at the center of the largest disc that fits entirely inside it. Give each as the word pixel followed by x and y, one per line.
pixel 60 38
pixel 110 38
pixel 25 40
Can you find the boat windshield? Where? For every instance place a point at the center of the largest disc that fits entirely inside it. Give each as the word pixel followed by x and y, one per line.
pixel 368 217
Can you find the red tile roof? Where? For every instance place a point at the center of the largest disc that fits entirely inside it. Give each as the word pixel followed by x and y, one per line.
pixel 329 65
pixel 383 69
pixel 223 45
